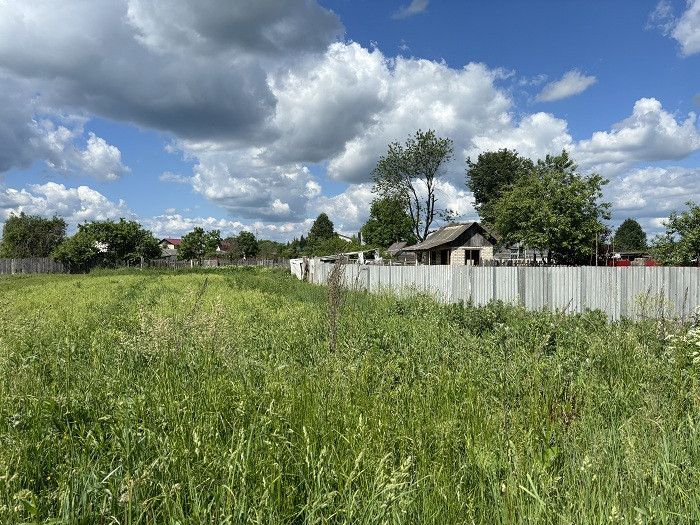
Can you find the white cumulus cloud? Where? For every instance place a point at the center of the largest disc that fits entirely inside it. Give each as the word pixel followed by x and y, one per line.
pixel 649 134
pixel 415 7
pixel 572 83
pixel 75 205
pixel 685 29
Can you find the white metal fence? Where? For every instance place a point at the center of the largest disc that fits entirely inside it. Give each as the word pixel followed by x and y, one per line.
pixel 630 292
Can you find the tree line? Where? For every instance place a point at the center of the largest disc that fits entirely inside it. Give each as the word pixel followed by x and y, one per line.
pixel 547 204
pixel 112 244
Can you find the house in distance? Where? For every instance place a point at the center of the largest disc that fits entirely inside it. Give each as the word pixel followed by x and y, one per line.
pixel 168 248
pixel 456 244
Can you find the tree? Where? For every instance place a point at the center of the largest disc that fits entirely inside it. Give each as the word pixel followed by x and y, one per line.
pixel 247 244
pixel 555 210
pixel 410 173
pixel 107 244
pixel 270 249
pixel 242 246
pixel 295 248
pixel 198 244
pixel 680 245
pixel 321 229
pixel 26 236
pixel 388 222
pixel 492 174
pixel 78 253
pixel 121 242
pixel 630 236
pixel 331 246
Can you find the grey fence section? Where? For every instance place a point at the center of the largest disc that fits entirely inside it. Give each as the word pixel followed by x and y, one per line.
pixel 218 263
pixel 629 292
pixel 34 265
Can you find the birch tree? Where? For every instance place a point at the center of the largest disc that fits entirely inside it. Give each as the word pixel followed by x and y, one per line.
pixel 410 172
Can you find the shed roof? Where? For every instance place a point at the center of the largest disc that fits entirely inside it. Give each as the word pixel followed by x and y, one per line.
pixel 396 247
pixel 444 235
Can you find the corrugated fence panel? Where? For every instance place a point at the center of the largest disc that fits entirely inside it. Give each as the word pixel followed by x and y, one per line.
pixel 481 284
pixel 440 283
pixel 691 292
pixel 637 292
pixel 535 292
pixel 506 284
pixel 565 292
pixel 461 290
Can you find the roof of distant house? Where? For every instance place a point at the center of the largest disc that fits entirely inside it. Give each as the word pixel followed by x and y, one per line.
pixel 445 235
pixel 171 240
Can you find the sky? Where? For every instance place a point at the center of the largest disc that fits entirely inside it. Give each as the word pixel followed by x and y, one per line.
pixel 261 115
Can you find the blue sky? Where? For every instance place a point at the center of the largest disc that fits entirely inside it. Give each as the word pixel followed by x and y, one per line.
pixel 257 116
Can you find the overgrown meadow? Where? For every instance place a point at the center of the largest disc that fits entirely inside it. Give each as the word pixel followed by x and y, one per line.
pixel 217 397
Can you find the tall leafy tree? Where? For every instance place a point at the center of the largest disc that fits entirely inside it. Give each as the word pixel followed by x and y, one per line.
pixel 269 249
pixel 198 244
pixel 388 222
pixel 680 244
pixel 26 236
pixel 245 245
pixel 554 210
pixel 410 173
pixel 492 174
pixel 79 253
pixel 107 244
pixel 321 229
pixel 630 236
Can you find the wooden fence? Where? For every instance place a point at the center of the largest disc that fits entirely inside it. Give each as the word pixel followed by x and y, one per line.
pixel 620 292
pixel 33 265
pixel 219 263
pixel 48 265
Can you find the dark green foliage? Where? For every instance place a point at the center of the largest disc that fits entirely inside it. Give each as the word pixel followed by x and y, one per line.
pixel 247 244
pixel 198 244
pixel 243 246
pixel 107 244
pixel 295 248
pixel 323 240
pixel 332 246
pixel 410 173
pixel 79 253
pixel 26 236
pixel 492 174
pixel 680 245
pixel 321 229
pixel 388 222
pixel 630 237
pixel 555 210
pixel 270 249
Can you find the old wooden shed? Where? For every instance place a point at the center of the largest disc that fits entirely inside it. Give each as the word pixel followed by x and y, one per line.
pixel 456 244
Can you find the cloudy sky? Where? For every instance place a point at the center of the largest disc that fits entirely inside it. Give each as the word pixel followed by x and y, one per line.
pixel 259 115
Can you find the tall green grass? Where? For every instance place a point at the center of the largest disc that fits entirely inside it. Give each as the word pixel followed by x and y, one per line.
pixel 212 397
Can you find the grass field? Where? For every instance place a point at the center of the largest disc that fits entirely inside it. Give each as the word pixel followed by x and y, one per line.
pixel 213 397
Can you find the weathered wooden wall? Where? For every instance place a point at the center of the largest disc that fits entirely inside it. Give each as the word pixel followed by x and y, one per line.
pixel 34 265
pixel 632 292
